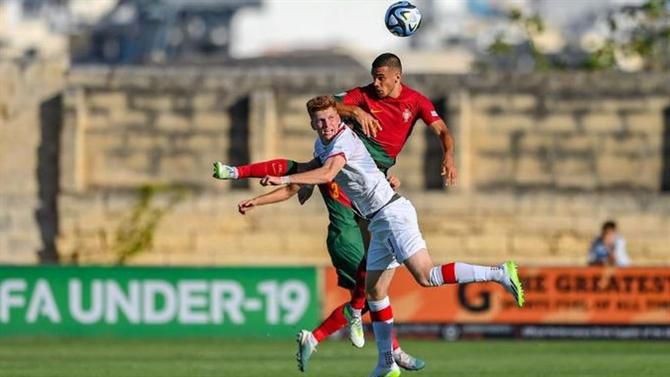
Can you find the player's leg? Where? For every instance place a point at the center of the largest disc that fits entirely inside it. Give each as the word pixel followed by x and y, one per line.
pixel 381 314
pixel 354 311
pixel 411 250
pixel 277 167
pixel 402 358
pixel 381 265
pixel 428 275
pixel 345 247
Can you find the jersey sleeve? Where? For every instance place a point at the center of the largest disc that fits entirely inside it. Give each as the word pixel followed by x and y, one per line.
pixel 427 111
pixel 353 97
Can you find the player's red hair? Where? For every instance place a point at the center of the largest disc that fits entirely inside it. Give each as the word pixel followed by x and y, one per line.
pixel 320 103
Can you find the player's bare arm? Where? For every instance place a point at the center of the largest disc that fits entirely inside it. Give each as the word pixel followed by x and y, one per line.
pixel 393 181
pixel 369 124
pixel 449 172
pixel 279 195
pixel 317 176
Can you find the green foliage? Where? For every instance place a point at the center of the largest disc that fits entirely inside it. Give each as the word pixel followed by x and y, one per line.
pixel 135 233
pixel 641 31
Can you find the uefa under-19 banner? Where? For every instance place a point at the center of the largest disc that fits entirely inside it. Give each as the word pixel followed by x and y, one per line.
pixel 146 301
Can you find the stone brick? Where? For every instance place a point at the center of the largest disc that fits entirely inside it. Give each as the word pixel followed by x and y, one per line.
pixel 569 244
pixel 302 243
pixel 173 122
pixel 602 122
pixel 487 244
pixel 129 117
pixel 295 121
pixel 557 123
pixel 213 121
pixel 628 104
pixel 531 245
pixel 446 248
pixel 583 145
pixel 488 142
pixel 491 171
pixel 647 123
pixel 444 225
pixel 147 258
pixel 575 173
pixel 616 170
pixel 531 171
pixel 207 101
pixel 159 103
pixel 109 100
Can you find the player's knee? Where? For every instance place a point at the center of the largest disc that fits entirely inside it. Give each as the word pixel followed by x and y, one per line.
pixel 422 276
pixel 423 280
pixel 375 293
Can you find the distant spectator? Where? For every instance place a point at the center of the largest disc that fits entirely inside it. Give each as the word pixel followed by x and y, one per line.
pixel 609 249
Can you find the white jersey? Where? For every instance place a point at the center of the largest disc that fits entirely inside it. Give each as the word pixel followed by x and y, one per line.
pixel 360 178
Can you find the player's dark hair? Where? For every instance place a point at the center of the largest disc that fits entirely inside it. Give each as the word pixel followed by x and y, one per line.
pixel 320 103
pixel 608 225
pixel 387 59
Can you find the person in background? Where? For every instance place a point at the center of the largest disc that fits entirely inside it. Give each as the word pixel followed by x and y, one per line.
pixel 609 249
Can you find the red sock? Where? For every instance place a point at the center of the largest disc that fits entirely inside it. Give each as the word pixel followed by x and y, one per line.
pixel 334 322
pixel 358 293
pixel 275 168
pixel 449 273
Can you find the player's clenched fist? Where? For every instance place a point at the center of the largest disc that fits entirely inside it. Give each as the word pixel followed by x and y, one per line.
pixel 246 205
pixel 274 181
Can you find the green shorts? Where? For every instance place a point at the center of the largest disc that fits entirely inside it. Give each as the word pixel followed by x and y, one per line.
pixel 346 246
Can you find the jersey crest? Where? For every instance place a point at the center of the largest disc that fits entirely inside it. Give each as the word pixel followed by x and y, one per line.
pixel 406 115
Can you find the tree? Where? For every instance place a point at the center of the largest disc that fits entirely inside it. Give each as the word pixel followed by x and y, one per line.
pixel 632 33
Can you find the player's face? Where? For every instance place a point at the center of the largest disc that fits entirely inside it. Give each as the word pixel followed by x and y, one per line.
pixel 385 80
pixel 326 123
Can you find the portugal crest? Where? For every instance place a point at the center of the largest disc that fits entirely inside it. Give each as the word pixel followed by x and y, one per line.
pixel 406 115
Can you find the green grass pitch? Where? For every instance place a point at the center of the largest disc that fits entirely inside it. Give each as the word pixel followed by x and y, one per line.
pixel 45 357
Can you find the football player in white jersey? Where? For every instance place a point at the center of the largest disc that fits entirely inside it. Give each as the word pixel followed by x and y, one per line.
pixel 396 239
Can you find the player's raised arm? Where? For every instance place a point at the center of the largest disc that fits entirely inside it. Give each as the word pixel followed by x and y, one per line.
pixel 316 176
pixel 369 124
pixel 279 195
pixel 448 163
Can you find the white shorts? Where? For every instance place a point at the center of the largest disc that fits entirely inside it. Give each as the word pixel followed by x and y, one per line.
pixel 395 236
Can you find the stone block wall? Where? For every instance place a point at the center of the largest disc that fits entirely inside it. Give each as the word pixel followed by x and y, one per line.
pixel 30 96
pixel 543 160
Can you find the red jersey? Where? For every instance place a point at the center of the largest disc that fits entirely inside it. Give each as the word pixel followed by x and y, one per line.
pixel 397 117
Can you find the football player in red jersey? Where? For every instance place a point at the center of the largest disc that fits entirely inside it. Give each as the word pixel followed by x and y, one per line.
pixel 385 112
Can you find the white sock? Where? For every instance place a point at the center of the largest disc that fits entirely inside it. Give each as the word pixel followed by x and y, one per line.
pixel 436 279
pixel 312 340
pixel 383 332
pixel 468 273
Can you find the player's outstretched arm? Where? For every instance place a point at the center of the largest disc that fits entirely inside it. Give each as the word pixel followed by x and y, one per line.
pixel 449 173
pixel 369 124
pixel 316 176
pixel 279 195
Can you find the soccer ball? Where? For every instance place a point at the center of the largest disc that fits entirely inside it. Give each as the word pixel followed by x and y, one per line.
pixel 402 19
